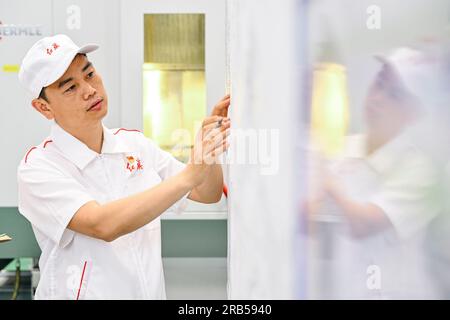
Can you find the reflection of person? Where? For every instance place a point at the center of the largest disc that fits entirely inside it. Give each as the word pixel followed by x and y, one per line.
pixel 384 186
pixel 390 111
pixel 94 195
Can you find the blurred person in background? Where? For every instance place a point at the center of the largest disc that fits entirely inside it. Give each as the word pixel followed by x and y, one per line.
pixel 386 189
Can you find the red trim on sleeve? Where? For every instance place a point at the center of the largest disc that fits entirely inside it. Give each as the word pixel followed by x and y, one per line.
pixel 225 190
pixel 26 156
pixel 31 149
pixel 126 130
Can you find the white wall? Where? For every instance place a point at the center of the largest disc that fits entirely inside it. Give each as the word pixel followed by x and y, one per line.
pixel 20 126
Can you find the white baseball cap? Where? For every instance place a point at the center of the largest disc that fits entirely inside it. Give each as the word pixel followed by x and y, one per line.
pixel 418 72
pixel 47 60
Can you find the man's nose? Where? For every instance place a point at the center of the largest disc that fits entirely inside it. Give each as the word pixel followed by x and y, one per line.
pixel 88 91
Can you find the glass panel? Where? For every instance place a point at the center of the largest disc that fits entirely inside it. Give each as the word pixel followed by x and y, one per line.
pixel 379 158
pixel 174 88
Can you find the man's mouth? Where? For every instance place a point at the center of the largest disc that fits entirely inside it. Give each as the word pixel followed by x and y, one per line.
pixel 94 105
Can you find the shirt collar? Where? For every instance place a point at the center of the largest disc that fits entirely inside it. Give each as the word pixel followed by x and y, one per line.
pixel 78 153
pixel 113 143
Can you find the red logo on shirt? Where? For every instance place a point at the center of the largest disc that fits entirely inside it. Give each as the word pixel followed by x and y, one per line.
pixel 134 164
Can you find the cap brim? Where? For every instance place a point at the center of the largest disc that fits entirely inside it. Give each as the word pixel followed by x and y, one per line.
pixel 88 48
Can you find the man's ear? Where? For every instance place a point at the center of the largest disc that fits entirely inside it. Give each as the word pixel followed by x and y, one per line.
pixel 43 108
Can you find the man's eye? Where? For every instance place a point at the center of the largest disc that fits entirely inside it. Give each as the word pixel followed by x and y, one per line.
pixel 90 74
pixel 72 87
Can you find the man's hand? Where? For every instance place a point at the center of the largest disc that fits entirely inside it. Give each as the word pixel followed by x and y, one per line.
pixel 221 108
pixel 211 142
pixel 204 167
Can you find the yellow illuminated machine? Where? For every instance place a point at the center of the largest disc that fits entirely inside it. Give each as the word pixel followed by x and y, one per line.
pixel 174 87
pixel 330 108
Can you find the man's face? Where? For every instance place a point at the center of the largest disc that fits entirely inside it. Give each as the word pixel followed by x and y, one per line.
pixel 386 103
pixel 77 100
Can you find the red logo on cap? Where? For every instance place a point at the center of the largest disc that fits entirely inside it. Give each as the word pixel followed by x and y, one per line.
pixel 52 48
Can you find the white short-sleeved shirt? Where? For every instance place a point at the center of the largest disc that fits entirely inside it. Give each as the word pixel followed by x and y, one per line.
pixel 59 176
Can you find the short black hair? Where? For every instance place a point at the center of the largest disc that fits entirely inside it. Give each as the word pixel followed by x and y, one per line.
pixel 42 95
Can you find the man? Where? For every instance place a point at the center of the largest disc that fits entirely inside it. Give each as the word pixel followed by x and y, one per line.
pixel 94 195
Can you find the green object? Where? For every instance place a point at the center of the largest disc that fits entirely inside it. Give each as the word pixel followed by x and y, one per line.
pixel 194 238
pixel 23 243
pixel 26 264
